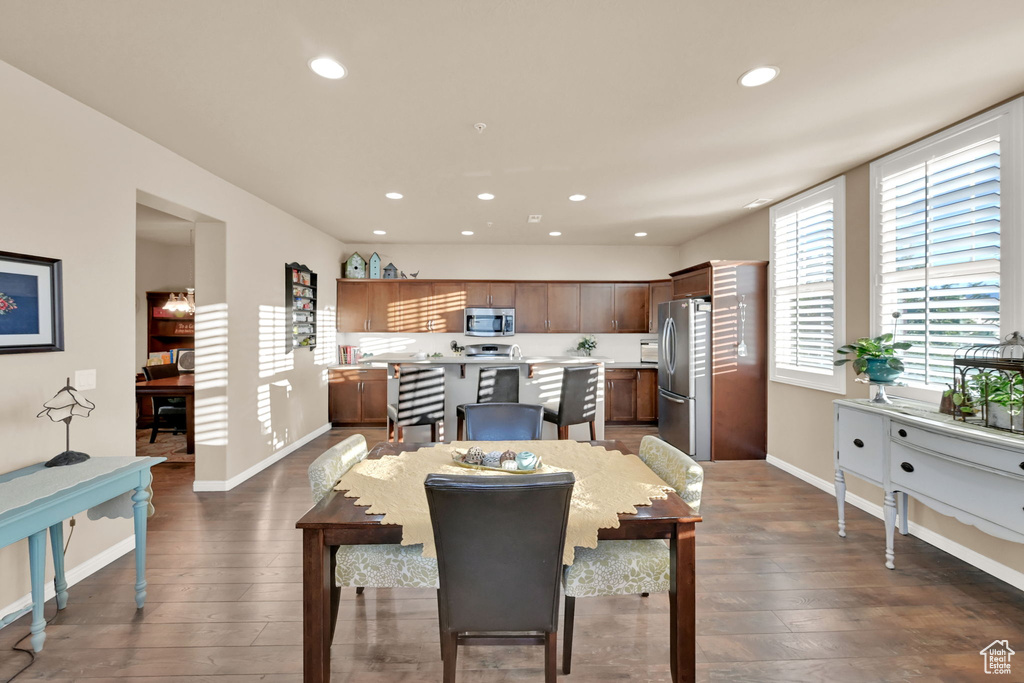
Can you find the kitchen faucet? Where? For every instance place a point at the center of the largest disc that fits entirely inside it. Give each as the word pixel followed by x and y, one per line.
pixel 515 352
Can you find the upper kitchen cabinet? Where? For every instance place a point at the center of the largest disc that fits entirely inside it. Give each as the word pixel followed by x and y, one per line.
pixel 449 303
pixel 563 307
pixel 490 295
pixel 660 293
pixel 614 307
pixel 353 296
pixel 547 307
pixel 532 307
pixel 692 282
pixel 415 306
pixel 365 306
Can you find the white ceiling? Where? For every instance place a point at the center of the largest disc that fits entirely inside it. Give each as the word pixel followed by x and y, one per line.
pixel 163 228
pixel 633 103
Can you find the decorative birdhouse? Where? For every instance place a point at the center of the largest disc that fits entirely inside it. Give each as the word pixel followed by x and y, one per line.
pixel 375 267
pixel 390 272
pixel 355 267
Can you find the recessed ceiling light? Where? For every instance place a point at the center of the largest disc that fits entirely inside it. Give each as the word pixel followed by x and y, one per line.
pixel 328 68
pixel 555 234
pixel 486 196
pixel 467 233
pixel 639 234
pixel 577 197
pixel 759 76
pixel 380 232
pixel 756 203
pixel 394 195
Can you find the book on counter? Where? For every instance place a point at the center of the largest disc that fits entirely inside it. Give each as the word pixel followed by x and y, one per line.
pixel 349 355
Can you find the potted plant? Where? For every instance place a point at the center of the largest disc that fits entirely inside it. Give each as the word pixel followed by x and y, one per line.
pixel 586 345
pixel 876 357
pixel 1002 395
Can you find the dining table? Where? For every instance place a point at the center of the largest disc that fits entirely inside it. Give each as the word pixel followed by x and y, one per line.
pixel 337 520
pixel 183 386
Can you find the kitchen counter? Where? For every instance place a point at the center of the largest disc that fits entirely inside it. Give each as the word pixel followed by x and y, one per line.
pixel 403 359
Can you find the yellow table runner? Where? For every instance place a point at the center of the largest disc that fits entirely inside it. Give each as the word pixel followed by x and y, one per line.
pixel 607 483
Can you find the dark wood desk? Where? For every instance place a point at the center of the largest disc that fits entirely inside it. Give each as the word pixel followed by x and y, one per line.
pixel 183 386
pixel 337 520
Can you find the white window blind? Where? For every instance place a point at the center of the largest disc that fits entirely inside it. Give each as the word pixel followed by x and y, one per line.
pixel 807 288
pixel 939 219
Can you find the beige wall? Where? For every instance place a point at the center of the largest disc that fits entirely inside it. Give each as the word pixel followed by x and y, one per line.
pixel 158 268
pixel 68 189
pixel 524 262
pixel 800 420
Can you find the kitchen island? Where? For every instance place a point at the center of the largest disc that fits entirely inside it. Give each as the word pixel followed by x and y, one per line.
pixel 540 382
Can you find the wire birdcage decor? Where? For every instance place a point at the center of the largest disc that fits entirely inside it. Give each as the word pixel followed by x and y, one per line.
pixel 989 384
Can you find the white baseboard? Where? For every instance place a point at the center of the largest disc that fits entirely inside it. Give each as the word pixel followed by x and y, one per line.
pixel 217 485
pixel 77 573
pixel 971 557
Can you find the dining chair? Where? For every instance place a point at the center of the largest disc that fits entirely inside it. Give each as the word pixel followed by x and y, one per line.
pixel 577 402
pixel 630 567
pixel 168 412
pixel 420 402
pixel 376 566
pixel 496 384
pixel 499 547
pixel 504 421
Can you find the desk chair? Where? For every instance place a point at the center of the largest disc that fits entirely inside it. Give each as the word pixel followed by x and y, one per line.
pixel 168 412
pixel 499 555
pixel 496 384
pixel 577 402
pixel 420 402
pixel 631 567
pixel 504 421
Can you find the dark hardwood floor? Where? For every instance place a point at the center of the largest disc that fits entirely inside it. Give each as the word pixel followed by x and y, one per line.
pixel 780 597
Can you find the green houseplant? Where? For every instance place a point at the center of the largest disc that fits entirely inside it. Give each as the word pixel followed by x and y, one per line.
pixel 876 357
pixel 587 345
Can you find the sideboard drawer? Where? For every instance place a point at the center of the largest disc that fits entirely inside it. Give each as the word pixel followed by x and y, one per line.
pixel 988 495
pixel 860 438
pixel 1011 462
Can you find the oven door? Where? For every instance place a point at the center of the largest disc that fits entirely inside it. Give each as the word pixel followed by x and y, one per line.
pixel 483 322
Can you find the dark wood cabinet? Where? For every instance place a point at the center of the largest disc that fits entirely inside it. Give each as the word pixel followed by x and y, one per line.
pixel 449 305
pixel 368 306
pixel 382 308
pixel 503 294
pixel 597 307
pixel 167 330
pixel 531 307
pixel 353 301
pixel 631 303
pixel 660 293
pixel 695 282
pixel 631 396
pixel 478 295
pixel 490 294
pixel 563 307
pixel 357 396
pixel 647 395
pixel 415 306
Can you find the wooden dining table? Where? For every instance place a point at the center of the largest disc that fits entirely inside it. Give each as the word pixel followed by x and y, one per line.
pixel 337 520
pixel 183 386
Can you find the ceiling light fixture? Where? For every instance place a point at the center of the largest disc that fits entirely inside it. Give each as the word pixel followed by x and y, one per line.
pixel 577 197
pixel 486 196
pixel 759 75
pixel 394 195
pixel 756 203
pixel 380 232
pixel 639 234
pixel 467 233
pixel 328 68
pixel 555 234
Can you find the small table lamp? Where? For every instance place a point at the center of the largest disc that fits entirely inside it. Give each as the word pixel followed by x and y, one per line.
pixel 66 404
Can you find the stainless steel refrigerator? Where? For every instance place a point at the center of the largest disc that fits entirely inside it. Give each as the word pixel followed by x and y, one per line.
pixel 684 376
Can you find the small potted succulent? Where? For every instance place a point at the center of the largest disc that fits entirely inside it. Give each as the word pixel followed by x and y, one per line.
pixel 876 357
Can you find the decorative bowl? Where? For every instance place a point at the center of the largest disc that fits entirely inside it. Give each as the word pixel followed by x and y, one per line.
pixel 459 458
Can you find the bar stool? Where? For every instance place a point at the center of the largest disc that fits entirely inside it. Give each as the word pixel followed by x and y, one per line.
pixel 420 402
pixel 497 384
pixel 578 400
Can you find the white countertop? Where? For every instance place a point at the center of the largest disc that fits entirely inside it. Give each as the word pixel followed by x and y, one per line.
pixel 405 358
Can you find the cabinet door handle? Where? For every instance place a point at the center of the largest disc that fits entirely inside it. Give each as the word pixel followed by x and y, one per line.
pixel 902 432
pixel 858 443
pixel 907 467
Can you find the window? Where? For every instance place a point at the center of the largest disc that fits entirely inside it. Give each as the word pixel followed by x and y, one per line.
pixel 945 245
pixel 807 288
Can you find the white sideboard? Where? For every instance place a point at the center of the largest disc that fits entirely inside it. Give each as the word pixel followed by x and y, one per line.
pixel 972 473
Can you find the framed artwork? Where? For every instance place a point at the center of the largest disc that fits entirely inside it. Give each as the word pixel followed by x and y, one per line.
pixel 31 304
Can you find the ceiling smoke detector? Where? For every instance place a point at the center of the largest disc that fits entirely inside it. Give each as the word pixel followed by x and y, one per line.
pixel 480 127
pixel 533 218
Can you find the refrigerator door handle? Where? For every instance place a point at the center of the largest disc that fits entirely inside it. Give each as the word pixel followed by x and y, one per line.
pixel 670 333
pixel 670 397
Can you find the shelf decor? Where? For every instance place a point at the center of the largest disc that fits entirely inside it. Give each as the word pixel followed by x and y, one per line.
pixel 31 313
pixel 300 305
pixel 988 384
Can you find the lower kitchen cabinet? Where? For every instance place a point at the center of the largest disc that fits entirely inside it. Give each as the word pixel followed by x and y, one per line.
pixel 630 396
pixel 357 396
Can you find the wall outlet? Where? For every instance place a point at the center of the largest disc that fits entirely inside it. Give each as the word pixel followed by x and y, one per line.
pixel 85 380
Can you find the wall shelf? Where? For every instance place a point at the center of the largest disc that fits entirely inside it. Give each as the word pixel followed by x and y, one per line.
pixel 300 305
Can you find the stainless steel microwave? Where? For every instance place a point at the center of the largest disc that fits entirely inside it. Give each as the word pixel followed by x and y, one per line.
pixel 490 322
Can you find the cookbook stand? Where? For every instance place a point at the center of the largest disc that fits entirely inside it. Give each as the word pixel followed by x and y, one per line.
pixel 880 396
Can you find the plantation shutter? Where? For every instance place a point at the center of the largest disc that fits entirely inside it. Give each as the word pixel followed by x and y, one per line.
pixel 939 253
pixel 804 294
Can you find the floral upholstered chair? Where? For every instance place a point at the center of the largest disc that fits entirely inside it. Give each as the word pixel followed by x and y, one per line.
pixel 377 566
pixel 630 567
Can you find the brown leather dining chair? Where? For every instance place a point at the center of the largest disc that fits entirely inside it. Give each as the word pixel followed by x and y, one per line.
pixel 578 400
pixel 504 421
pixel 420 402
pixel 496 384
pixel 168 412
pixel 499 547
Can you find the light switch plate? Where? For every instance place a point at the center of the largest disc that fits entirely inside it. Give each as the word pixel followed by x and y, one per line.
pixel 85 380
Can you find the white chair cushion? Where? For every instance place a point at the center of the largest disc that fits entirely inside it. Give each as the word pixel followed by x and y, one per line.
pixel 618 568
pixel 385 566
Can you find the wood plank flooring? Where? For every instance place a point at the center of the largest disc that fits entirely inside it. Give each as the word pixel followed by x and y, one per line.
pixel 780 597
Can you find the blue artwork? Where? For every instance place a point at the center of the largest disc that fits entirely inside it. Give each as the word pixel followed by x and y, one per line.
pixel 19 304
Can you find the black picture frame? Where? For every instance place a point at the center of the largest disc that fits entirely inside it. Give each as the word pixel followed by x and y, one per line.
pixel 37 325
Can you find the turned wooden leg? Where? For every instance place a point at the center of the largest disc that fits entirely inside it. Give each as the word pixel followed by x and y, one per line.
pixel 570 617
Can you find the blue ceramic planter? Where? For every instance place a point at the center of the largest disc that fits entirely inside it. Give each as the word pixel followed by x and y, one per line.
pixel 879 371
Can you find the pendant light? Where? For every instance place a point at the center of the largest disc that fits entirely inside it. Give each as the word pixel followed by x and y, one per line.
pixel 185 303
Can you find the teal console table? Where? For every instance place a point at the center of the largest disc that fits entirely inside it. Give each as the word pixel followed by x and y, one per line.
pixel 35 499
